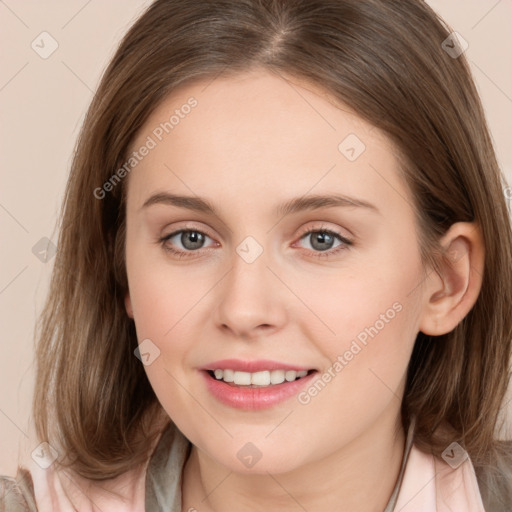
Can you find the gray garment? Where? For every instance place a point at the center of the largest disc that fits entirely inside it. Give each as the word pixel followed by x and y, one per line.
pixel 163 477
pixel 17 494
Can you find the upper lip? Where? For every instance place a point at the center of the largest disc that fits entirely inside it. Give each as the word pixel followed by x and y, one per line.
pixel 252 366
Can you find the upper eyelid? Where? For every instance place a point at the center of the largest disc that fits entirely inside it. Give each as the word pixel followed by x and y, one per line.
pixel 322 228
pixel 188 228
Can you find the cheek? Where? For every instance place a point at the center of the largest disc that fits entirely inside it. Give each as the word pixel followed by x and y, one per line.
pixel 161 296
pixel 163 313
pixel 369 315
pixel 167 310
pixel 367 358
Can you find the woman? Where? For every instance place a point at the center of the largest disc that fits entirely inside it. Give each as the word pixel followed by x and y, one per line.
pixel 195 354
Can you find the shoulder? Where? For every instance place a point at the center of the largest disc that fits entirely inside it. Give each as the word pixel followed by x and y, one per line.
pixel 17 494
pixel 45 490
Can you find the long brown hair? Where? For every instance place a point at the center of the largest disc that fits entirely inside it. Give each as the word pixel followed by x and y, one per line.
pixel 384 59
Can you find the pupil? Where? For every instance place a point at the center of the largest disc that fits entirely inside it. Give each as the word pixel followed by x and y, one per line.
pixel 192 239
pixel 322 238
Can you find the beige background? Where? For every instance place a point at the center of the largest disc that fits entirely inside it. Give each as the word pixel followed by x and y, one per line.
pixel 43 102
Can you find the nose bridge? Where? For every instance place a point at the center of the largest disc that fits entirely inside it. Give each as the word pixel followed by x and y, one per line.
pixel 249 274
pixel 250 296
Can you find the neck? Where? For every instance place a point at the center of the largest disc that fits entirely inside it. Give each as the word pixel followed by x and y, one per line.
pixel 360 476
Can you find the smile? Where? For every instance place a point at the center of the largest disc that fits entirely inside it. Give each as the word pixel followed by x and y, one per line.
pixel 254 385
pixel 258 379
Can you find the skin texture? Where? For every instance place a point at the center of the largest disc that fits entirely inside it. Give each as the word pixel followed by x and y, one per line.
pixel 254 141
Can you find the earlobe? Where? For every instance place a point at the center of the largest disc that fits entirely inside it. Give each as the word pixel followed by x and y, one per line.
pixel 128 305
pixel 450 293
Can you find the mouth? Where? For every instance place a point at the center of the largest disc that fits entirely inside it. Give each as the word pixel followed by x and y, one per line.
pixel 255 385
pixel 260 379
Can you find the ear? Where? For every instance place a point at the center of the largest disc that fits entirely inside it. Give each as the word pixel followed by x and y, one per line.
pixel 450 294
pixel 128 304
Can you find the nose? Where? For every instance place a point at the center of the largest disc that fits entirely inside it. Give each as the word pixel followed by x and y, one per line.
pixel 252 300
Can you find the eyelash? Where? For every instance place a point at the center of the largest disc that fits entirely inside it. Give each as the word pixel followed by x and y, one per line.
pixel 320 254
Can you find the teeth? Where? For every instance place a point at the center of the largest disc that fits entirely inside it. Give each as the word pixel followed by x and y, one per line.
pixel 242 378
pixel 260 378
pixel 277 376
pixel 263 378
pixel 290 375
pixel 227 375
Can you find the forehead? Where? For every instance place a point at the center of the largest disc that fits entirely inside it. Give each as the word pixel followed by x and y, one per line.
pixel 260 132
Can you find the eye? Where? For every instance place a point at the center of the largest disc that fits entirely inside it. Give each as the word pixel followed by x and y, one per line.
pixel 191 240
pixel 322 241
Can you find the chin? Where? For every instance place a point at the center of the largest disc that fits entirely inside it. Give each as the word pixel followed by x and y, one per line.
pixel 258 457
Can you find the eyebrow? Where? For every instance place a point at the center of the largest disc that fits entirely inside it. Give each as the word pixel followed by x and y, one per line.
pixel 304 203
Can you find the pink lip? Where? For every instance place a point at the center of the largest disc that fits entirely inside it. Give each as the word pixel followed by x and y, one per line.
pixel 251 366
pixel 253 399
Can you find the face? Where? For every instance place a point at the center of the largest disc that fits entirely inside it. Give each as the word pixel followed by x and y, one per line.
pixel 308 307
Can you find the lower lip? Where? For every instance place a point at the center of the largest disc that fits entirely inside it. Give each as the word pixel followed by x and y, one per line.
pixel 254 398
